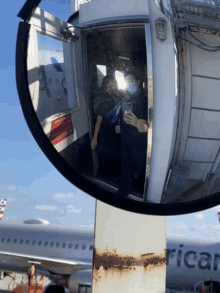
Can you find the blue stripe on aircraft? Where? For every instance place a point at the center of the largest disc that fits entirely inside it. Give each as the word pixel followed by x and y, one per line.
pixel 56 64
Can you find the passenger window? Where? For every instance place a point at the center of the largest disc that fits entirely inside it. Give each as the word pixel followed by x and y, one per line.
pixel 27 242
pixel 83 247
pixel 63 245
pixel 3 240
pixel 70 245
pixel 15 241
pixel 33 242
pixel 76 246
pixel 46 243
pixel 39 243
pixel 8 240
pixel 21 241
pixel 51 244
pixel 91 247
pixel 58 244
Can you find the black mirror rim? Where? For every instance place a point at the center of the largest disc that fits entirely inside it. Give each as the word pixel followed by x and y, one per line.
pixel 60 164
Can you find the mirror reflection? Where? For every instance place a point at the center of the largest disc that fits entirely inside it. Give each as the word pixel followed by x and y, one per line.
pixel 117 84
pixel 114 151
pixel 95 102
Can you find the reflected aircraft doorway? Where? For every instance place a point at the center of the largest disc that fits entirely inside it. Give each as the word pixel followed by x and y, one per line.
pixel 107 53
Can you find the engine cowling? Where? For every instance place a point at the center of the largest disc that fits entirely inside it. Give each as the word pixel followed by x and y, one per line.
pixel 79 277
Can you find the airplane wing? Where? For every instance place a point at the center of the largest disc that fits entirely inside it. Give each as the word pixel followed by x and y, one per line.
pixel 55 265
pixel 2 207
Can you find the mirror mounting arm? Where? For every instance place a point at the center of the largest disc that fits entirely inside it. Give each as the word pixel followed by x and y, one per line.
pixel 66 32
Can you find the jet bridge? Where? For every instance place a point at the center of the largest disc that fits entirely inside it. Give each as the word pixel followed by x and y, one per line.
pixel 194 171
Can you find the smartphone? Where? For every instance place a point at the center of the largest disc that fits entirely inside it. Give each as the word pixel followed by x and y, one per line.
pixel 126 107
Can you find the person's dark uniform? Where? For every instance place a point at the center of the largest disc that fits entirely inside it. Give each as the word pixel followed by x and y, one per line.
pixel 107 143
pixel 133 143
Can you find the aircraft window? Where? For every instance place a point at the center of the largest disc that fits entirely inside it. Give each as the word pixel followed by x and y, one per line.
pixel 83 247
pixel 64 245
pixel 51 244
pixel 39 243
pixel 21 241
pixel 46 243
pixel 58 244
pixel 8 240
pixel 27 242
pixel 76 246
pixel 70 245
pixel 3 240
pixel 91 247
pixel 15 241
pixel 33 242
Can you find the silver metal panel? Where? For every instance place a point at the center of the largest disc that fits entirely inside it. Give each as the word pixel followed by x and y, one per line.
pixel 201 150
pixel 204 124
pixel 204 62
pixel 199 170
pixel 151 109
pixel 205 93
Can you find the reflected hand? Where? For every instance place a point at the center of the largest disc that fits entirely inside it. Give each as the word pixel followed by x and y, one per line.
pixel 131 119
pixel 94 143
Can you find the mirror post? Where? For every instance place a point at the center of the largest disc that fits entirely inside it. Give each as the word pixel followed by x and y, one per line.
pixel 128 255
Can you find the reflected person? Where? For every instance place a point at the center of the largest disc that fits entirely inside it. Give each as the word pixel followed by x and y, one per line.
pixel 134 129
pixel 104 135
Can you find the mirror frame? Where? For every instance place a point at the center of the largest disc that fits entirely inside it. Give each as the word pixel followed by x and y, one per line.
pixel 60 164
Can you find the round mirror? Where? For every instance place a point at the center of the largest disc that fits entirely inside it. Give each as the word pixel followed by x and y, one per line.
pixel 127 107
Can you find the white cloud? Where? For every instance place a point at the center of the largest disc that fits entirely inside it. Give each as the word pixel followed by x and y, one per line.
pixel 199 216
pixel 181 225
pixel 12 187
pixel 46 208
pixel 71 209
pixel 63 195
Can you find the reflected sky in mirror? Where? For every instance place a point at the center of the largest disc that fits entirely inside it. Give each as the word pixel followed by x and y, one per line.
pixel 59 8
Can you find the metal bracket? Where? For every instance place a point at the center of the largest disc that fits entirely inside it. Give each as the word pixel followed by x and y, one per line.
pixel 68 34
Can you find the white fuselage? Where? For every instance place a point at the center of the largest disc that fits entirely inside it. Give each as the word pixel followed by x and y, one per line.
pixel 188 261
pixel 57 242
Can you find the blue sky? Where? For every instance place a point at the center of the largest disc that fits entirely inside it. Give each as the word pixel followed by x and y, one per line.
pixel 35 189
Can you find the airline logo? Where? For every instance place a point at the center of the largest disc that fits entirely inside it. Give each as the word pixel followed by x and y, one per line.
pixel 2 207
pixel 192 259
pixel 56 64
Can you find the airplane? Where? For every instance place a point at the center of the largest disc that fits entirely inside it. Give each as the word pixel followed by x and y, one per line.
pixel 62 254
pixel 2 207
pixel 190 261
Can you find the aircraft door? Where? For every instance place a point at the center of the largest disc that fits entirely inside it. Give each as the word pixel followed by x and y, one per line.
pixel 56 86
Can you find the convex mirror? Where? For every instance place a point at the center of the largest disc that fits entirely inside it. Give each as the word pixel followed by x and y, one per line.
pixel 126 108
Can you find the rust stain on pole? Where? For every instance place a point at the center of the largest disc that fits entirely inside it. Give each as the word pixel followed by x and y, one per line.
pixel 110 260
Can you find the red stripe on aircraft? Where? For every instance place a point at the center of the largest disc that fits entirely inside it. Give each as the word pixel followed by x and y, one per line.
pixel 61 128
